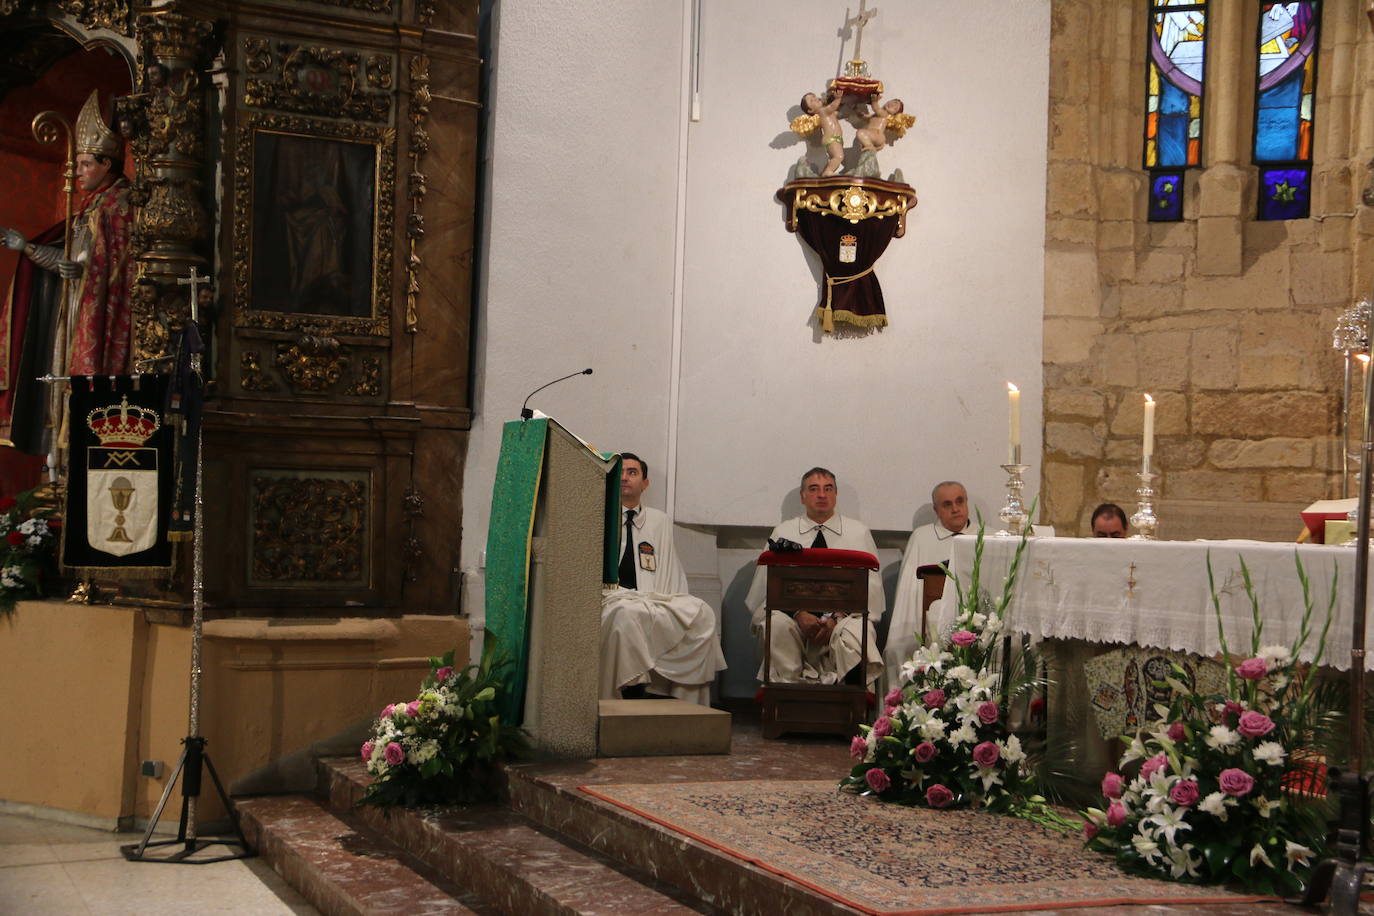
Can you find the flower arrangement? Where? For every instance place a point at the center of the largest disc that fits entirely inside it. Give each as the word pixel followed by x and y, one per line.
pixel 942 739
pixel 445 746
pixel 1213 798
pixel 28 551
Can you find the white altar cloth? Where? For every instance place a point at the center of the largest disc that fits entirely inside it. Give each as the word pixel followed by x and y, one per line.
pixel 1155 593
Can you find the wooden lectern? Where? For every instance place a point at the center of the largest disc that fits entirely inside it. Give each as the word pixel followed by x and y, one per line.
pixel 820 581
pixel 554 513
pixel 932 577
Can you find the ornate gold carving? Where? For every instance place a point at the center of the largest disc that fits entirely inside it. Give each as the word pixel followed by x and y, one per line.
pixel 308 529
pixel 420 99
pixel 98 14
pixel 174 210
pixel 368 383
pixel 10 7
pixel 257 55
pixel 413 550
pixel 851 199
pixel 384 139
pixel 315 362
pixel 816 588
pixel 251 375
pixel 319 80
pixel 151 334
pixel 426 10
pixel 852 203
pixel 379 71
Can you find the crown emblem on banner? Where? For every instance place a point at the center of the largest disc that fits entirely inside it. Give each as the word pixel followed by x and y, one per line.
pixel 123 426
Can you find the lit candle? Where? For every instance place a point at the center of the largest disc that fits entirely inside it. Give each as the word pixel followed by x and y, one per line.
pixel 1014 421
pixel 1148 448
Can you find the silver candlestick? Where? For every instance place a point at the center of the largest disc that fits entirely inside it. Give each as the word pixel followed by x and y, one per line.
pixel 1013 514
pixel 1143 522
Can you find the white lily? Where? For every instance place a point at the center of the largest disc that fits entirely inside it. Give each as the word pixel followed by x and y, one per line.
pixel 1170 820
pixel 1258 855
pixel 1295 852
pixel 1148 848
pixel 1183 862
pixel 1267 807
pixel 989 776
pixel 1134 751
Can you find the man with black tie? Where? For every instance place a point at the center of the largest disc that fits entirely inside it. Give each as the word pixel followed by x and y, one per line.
pixel 807 648
pixel 656 639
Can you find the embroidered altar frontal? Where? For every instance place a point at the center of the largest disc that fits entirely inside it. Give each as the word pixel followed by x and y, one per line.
pixel 120 483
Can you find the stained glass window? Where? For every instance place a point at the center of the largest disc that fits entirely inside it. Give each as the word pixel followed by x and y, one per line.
pixel 1173 101
pixel 1286 51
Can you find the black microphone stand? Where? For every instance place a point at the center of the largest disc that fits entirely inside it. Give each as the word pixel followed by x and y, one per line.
pixel 526 413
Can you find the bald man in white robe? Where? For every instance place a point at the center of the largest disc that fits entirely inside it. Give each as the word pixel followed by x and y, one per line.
pixel 928 545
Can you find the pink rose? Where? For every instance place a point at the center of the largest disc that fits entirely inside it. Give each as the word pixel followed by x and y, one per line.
pixel 988 712
pixel 924 752
pixel 390 708
pixel 934 699
pixel 395 756
pixel 368 747
pixel 413 708
pixel 882 727
pixel 1252 669
pixel 1116 814
pixel 1236 782
pixel 890 711
pixel 937 796
pixel 1232 708
pixel 443 674
pixel 1089 830
pixel 1176 732
pixel 1185 792
pixel 858 747
pixel 963 638
pixel 1156 764
pixel 877 780
pixel 986 754
pixel 894 697
pixel 1255 724
pixel 1112 785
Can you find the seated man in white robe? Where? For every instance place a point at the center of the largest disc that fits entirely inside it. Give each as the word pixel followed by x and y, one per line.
pixel 806 648
pixel 928 545
pixel 655 638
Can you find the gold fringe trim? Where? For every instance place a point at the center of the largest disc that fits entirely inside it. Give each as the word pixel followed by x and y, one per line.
pixel 118 572
pixel 828 316
pixel 181 537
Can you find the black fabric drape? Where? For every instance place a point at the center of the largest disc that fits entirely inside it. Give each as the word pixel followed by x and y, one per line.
pixel 851 293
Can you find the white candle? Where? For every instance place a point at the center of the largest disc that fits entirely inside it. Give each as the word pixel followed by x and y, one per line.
pixel 1014 421
pixel 1148 448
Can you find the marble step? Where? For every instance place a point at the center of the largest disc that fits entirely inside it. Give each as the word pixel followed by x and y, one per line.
pixel 340 869
pixel 653 728
pixel 723 882
pixel 503 857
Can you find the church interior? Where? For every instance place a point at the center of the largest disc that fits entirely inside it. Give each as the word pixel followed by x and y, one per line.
pixel 1102 252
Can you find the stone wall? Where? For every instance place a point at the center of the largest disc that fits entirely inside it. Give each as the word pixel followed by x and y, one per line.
pixel 1225 320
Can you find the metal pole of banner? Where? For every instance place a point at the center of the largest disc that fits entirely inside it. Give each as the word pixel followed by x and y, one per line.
pixel 193 754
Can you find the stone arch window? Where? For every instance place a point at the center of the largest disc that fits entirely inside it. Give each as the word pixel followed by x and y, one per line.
pixel 1286 41
pixel 1174 75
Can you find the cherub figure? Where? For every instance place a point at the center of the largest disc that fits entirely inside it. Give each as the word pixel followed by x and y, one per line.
pixel 873 135
pixel 823 114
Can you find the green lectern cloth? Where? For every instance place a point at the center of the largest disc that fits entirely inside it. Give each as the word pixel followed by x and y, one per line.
pixel 513 499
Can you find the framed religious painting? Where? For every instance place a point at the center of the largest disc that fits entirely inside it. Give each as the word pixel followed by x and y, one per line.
pixel 313 211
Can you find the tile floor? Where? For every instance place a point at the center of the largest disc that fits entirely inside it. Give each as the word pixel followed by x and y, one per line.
pixel 58 869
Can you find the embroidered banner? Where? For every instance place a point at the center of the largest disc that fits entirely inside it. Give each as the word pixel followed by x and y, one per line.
pixel 120 477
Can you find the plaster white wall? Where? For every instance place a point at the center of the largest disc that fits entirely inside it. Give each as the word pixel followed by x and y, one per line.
pixel 578 251
pixel 763 396
pixel 578 259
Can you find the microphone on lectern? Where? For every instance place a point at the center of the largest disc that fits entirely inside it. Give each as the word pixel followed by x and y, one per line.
pixel 526 413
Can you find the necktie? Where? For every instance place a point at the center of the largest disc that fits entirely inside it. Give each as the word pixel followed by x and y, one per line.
pixel 820 538
pixel 627 559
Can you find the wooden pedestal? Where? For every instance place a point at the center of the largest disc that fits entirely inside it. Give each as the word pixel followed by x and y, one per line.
pixel 814 709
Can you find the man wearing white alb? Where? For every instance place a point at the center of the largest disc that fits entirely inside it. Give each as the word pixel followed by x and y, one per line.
pixel 804 648
pixel 928 545
pixel 656 639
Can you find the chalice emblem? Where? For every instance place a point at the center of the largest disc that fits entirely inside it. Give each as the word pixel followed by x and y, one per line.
pixel 121 493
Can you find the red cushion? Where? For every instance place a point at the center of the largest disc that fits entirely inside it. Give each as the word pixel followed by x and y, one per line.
pixel 820 556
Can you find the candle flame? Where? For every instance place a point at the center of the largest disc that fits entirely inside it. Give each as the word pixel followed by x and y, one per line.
pixel 1363 357
pixel 1149 400
pixel 1011 387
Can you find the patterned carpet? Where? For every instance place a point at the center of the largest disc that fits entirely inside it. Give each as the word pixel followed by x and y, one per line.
pixel 890 860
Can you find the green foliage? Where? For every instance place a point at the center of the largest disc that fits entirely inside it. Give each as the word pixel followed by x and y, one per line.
pixel 446 746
